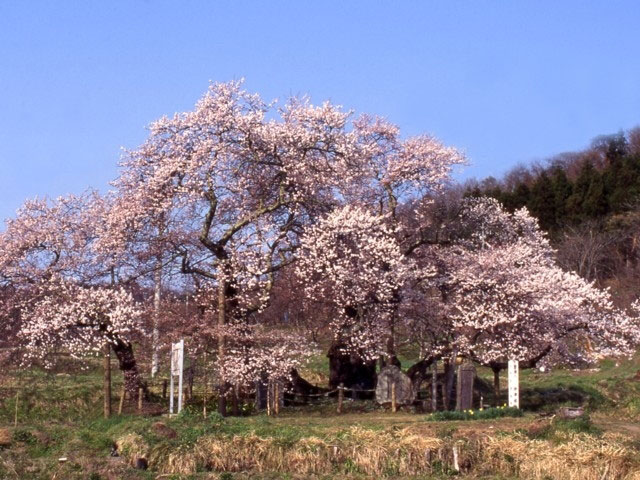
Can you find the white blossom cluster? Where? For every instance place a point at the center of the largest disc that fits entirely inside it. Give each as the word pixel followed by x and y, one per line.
pixel 352 260
pixel 510 300
pixel 254 351
pixel 77 319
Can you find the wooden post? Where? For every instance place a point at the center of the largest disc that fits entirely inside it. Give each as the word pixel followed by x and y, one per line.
pixel 340 396
pixel 164 389
pixel 496 386
pixel 434 386
pixel 276 398
pixel 140 399
pixel 122 394
pixel 107 380
pixel 204 402
pixel 269 398
pixel 394 406
pixel 15 418
pixel 204 395
pixel 456 456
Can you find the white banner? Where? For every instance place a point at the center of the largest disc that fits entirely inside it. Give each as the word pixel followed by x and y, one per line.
pixel 177 354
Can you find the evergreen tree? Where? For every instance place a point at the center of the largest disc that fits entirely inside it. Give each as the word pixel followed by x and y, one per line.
pixel 516 199
pixel 562 190
pixel 622 182
pixel 595 202
pixel 542 203
pixel 585 191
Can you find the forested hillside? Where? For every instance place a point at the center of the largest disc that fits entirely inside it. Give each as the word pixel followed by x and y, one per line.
pixel 589 203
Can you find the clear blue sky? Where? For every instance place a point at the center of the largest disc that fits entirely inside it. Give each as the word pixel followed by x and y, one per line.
pixel 505 81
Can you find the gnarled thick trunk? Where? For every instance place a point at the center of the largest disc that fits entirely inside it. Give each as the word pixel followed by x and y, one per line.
pixel 419 371
pixel 129 367
pixel 351 370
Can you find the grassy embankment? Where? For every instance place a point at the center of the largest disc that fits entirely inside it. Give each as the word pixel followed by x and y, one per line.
pixel 59 416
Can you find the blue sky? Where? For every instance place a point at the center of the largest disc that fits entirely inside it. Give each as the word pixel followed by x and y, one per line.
pixel 507 82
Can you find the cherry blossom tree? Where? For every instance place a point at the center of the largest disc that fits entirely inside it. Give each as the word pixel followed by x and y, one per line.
pixel 61 294
pixel 391 174
pixel 237 179
pixel 234 186
pixel 509 300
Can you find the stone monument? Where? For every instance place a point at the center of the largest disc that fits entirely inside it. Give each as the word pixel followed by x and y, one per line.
pixel 464 390
pixel 388 376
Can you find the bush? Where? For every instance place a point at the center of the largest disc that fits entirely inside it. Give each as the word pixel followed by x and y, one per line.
pixel 24 436
pixel 484 414
pixel 578 425
pixel 560 430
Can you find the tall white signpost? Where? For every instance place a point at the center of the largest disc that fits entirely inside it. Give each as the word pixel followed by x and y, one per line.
pixel 177 363
pixel 514 384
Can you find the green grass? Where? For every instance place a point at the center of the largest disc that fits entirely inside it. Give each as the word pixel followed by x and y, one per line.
pixel 561 430
pixel 484 414
pixel 605 387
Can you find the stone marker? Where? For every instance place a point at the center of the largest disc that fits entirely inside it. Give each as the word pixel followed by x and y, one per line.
pixel 464 390
pixel 570 412
pixel 389 375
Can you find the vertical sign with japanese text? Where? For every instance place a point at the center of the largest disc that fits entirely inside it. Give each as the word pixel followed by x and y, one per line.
pixel 177 364
pixel 514 384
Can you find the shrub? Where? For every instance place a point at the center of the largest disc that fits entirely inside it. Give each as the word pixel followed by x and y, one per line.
pixel 24 436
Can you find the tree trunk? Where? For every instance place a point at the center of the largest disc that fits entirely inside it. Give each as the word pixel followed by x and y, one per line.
pixel 129 367
pixel 450 369
pixel 107 380
pixel 351 370
pixel 190 378
pixel 419 371
pixel 235 407
pixel 392 358
pixel 222 400
pixel 434 386
pixel 496 386
pixel 155 335
pixel 297 390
